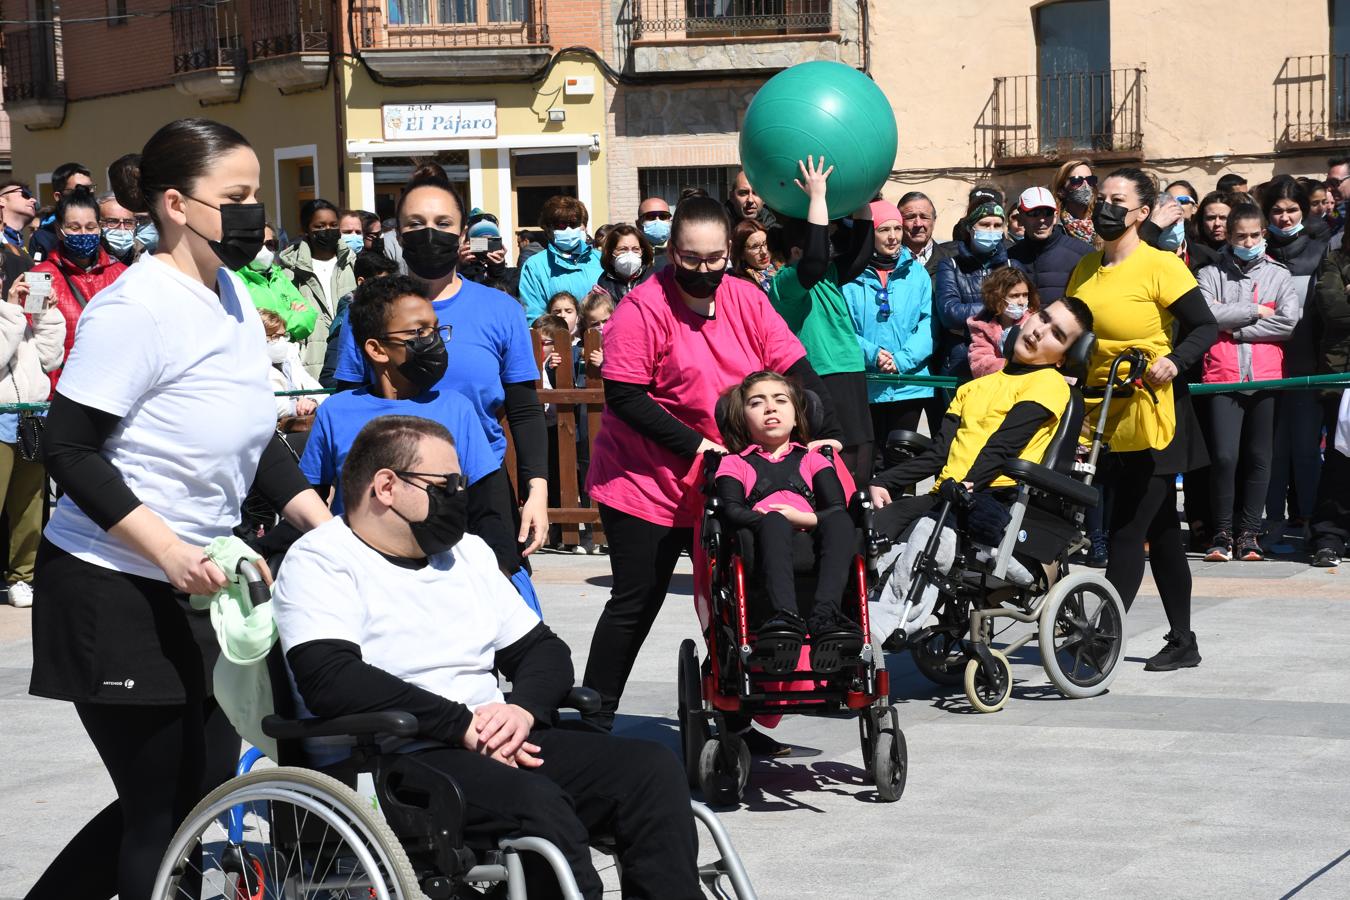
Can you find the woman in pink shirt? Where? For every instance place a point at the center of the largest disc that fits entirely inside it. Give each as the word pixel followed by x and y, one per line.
pixel 673 346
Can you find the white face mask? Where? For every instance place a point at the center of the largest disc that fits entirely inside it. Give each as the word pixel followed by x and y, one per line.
pixel 278 351
pixel 1015 311
pixel 263 261
pixel 628 263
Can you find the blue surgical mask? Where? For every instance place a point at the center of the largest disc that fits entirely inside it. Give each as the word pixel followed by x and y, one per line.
pixel 1284 232
pixel 985 242
pixel 81 246
pixel 1247 254
pixel 1172 237
pixel 148 236
pixel 657 230
pixel 354 242
pixel 1015 311
pixel 119 240
pixel 569 240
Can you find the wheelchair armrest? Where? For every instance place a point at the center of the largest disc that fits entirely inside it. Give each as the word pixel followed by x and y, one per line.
pixel 909 441
pixel 1051 482
pixel 583 700
pixel 390 721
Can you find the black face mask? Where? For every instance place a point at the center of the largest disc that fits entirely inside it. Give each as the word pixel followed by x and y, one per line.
pixel 430 253
pixel 447 517
pixel 883 263
pixel 426 362
pixel 1108 221
pixel 241 232
pixel 697 284
pixel 324 241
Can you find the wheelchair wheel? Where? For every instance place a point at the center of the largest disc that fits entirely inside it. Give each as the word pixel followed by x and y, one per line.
pixel 939 651
pixel 1082 635
pixel 694 732
pixel 888 760
pixel 984 694
pixel 305 835
pixel 722 783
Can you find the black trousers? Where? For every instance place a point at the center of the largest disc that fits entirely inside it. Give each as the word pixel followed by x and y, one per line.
pixel 1243 430
pixel 1295 462
pixel 1331 518
pixel 833 543
pixel 589 783
pixel 1146 511
pixel 162 760
pixel 642 558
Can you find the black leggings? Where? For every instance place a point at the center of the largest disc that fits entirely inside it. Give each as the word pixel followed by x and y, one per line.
pixel 1243 427
pixel 642 558
pixel 1150 515
pixel 833 540
pixel 162 760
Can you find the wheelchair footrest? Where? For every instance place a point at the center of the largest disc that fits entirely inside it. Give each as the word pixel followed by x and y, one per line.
pixel 833 650
pixel 776 652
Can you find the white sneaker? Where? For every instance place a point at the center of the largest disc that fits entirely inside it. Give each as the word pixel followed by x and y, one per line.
pixel 21 594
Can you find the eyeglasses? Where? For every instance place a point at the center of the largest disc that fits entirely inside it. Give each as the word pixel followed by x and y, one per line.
pixel 119 224
pixel 1078 180
pixel 884 303
pixel 22 192
pixel 693 261
pixel 453 482
pixel 661 214
pixel 418 334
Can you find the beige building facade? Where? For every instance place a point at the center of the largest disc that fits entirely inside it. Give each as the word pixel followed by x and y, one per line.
pixel 984 90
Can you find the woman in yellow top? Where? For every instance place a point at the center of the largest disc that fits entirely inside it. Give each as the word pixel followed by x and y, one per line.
pixel 1140 297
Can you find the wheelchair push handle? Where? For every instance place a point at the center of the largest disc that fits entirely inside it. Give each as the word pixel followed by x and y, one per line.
pixel 258 591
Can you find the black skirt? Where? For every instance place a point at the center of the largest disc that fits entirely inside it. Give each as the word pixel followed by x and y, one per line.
pixel 848 394
pixel 103 636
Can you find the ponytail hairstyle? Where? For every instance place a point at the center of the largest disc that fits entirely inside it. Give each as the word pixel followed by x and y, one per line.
pixel 80 197
pixel 433 176
pixel 735 431
pixel 699 211
pixel 175 157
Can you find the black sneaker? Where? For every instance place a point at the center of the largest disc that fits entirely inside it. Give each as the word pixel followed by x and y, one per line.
pixel 1249 548
pixel 760 744
pixel 836 640
pixel 1097 556
pixel 1180 652
pixel 1326 558
pixel 1221 548
pixel 778 643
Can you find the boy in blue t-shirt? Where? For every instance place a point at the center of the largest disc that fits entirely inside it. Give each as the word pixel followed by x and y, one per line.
pixel 404 345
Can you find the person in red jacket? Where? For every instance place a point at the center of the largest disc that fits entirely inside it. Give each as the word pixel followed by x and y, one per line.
pixel 80 267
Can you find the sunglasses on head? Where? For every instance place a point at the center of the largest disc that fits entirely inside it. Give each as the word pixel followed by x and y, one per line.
pixel 1077 180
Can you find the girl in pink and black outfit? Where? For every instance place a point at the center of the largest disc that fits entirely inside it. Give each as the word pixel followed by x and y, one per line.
pixel 672 347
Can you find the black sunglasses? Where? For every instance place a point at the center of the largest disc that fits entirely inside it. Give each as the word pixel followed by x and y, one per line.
pixel 656 214
pixel 454 481
pixel 22 192
pixel 1077 180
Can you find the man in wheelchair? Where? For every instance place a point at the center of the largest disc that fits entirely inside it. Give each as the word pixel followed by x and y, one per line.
pixel 393 607
pixel 1002 416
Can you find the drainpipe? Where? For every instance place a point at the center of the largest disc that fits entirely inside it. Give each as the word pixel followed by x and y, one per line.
pixel 336 57
pixel 864 27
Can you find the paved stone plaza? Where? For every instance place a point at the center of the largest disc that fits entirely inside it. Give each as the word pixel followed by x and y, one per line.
pixel 1231 780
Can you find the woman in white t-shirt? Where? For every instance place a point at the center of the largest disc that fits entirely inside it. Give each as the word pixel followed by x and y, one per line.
pixel 163 421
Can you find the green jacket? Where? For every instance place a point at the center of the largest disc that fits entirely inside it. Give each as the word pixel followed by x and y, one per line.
pixel 299 265
pixel 820 319
pixel 1331 307
pixel 273 290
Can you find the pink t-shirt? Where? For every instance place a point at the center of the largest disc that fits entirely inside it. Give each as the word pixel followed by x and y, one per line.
pixel 688 362
pixel 739 467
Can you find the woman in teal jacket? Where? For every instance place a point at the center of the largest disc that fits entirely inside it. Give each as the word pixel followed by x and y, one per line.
pixel 892 308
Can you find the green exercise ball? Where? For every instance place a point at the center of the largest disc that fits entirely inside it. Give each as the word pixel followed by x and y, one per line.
pixel 818 109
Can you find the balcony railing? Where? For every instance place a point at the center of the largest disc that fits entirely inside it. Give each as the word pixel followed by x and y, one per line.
pixel 1042 118
pixel 675 19
pixel 282 27
pixel 1312 101
pixel 206 37
pixel 425 24
pixel 31 69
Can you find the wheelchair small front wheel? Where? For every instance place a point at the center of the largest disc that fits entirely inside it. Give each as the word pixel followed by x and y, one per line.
pixel 889 763
pixel 1082 635
pixel 724 770
pixel 987 694
pixel 305 834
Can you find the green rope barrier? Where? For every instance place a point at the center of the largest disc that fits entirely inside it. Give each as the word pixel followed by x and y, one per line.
pixel 1304 382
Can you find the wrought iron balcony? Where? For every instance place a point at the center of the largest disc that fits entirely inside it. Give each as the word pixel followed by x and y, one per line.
pixel 35 92
pixel 292 43
pixel 666 19
pixel 467 39
pixel 208 51
pixel 1312 101
pixel 1038 119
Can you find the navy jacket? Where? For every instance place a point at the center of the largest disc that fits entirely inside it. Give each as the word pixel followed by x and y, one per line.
pixel 957 297
pixel 1050 262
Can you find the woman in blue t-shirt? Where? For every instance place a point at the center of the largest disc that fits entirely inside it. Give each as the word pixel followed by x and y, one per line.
pixel 491 357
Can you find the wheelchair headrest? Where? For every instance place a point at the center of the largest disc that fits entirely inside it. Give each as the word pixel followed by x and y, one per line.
pixel 1076 358
pixel 814 412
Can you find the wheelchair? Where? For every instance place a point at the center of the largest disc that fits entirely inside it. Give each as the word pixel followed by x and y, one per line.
pixel 293 832
pixel 1079 617
pixel 729 681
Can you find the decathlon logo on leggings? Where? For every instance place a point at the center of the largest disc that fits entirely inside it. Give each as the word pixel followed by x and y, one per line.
pixel 128 684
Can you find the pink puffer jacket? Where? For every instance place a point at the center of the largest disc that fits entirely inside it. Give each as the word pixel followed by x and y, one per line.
pixel 986 345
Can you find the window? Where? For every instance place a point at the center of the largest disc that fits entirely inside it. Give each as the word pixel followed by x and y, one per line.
pixel 507 11
pixel 668 183
pixel 1073 41
pixel 117 8
pixel 1338 69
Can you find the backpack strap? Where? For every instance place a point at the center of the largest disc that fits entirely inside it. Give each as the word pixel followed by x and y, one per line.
pixel 772 476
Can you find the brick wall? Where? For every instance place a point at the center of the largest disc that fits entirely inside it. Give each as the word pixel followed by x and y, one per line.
pixel 577 23
pixel 109 58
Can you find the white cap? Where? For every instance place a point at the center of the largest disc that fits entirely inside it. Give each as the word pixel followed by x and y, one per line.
pixel 1036 198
